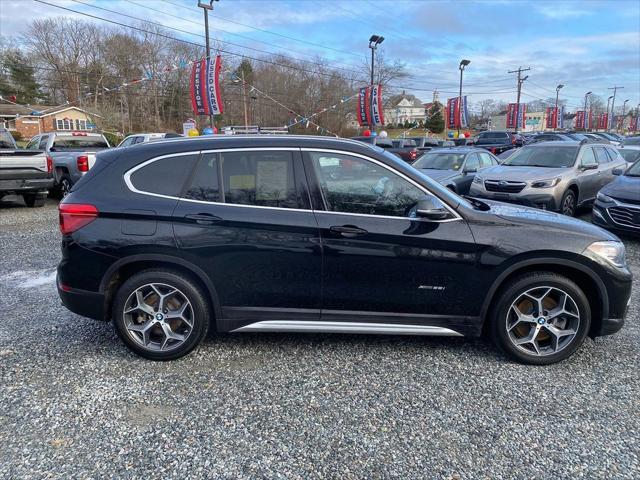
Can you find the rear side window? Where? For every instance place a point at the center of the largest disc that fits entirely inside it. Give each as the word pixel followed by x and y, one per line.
pixel 78 143
pixel 165 176
pixel 613 154
pixel 43 143
pixel 259 178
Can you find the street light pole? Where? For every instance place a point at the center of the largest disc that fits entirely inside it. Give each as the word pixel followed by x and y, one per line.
pixel 374 41
pixel 624 109
pixel 613 103
pixel 555 124
pixel 206 7
pixel 463 63
pixel 584 123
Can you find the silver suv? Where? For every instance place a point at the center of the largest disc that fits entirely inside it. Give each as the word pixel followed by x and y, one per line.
pixel 557 176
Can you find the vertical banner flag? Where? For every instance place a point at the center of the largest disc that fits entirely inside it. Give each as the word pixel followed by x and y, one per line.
pixel 464 113
pixel 603 121
pixel 579 124
pixel 560 118
pixel 589 120
pixel 633 124
pixel 376 106
pixel 205 86
pixel 451 113
pixel 364 107
pixel 511 115
pixel 522 112
pixel 550 117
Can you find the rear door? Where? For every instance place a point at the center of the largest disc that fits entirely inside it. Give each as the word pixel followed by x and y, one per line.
pixel 470 168
pixel 245 218
pixel 605 166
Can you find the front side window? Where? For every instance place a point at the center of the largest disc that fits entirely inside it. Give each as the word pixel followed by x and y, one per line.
pixel 486 160
pixel 588 157
pixel 165 176
pixel 440 161
pixel 473 163
pixel 33 144
pixel 261 178
pixel 354 185
pixel 43 143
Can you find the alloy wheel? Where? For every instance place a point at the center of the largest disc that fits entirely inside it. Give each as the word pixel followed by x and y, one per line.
pixel 543 321
pixel 158 317
pixel 65 187
pixel 568 205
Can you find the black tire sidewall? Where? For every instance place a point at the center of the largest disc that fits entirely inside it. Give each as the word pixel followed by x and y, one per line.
pixel 575 200
pixel 195 295
pixel 508 296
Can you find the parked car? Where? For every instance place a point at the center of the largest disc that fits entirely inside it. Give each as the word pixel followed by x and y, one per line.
pixel 425 144
pixel 24 172
pixel 631 140
pixel 506 154
pixel 617 205
pixel 596 138
pixel 145 137
pixel 553 137
pixel 497 142
pixel 556 176
pixel 73 154
pixel 455 168
pixel 406 149
pixel 612 140
pixel 631 153
pixel 262 233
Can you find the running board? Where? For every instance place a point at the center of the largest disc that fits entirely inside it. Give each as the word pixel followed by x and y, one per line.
pixel 345 327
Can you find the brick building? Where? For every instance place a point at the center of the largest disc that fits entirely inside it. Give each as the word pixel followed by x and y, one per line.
pixel 30 121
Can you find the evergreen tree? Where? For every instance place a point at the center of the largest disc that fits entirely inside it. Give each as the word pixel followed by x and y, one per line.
pixel 19 78
pixel 435 120
pixel 246 68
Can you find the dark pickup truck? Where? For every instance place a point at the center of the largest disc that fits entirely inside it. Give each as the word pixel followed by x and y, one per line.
pixel 498 142
pixel 405 148
pixel 24 172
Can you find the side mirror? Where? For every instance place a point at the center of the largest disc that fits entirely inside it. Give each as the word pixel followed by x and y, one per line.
pixel 470 170
pixel 590 166
pixel 431 208
pixel 617 171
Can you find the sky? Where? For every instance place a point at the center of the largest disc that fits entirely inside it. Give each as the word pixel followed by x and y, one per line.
pixel 587 45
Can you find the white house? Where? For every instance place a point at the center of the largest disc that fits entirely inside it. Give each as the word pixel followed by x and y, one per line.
pixel 403 107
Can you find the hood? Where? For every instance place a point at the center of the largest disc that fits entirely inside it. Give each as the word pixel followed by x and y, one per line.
pixel 440 176
pixel 548 221
pixel 624 188
pixel 522 174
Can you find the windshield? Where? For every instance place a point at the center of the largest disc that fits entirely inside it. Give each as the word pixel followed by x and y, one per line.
pixel 634 170
pixel 630 155
pixel 543 156
pixel 71 144
pixel 440 161
pixel 6 140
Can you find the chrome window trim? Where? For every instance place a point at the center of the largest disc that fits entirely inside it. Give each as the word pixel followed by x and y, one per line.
pixel 132 188
pixel 400 174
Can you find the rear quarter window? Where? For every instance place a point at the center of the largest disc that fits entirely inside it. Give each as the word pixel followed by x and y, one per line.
pixel 165 176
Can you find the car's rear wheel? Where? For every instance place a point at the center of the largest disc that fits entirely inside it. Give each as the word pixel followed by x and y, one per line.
pixel 161 314
pixel 34 200
pixel 568 203
pixel 540 318
pixel 64 186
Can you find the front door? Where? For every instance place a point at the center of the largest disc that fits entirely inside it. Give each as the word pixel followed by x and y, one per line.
pixel 245 219
pixel 381 263
pixel 588 179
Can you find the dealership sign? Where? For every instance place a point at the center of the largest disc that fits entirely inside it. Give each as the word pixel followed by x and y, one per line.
pixel 370 106
pixel 516 116
pixel 457 115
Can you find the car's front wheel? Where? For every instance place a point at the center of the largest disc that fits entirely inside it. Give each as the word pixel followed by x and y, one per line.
pixel 568 203
pixel 540 318
pixel 161 314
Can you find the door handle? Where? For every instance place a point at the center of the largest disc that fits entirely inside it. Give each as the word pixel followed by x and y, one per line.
pixel 348 231
pixel 202 218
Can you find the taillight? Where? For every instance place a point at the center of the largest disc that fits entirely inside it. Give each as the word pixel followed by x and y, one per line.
pixel 513 141
pixel 74 216
pixel 49 164
pixel 492 150
pixel 413 154
pixel 83 163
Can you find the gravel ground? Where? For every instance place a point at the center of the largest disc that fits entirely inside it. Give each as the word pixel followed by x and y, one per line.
pixel 74 403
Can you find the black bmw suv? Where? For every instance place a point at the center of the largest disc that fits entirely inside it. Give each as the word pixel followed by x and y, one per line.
pixel 311 234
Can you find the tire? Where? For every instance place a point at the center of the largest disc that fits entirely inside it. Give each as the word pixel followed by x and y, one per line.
pixel 149 333
pixel 568 204
pixel 507 328
pixel 64 186
pixel 34 200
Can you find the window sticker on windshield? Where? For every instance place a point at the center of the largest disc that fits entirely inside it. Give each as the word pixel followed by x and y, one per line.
pixel 271 180
pixel 242 182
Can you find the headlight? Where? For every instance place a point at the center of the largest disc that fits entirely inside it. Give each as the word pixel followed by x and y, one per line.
pixel 552 182
pixel 604 198
pixel 612 252
pixel 478 179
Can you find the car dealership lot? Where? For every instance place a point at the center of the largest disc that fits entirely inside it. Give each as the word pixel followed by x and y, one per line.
pixel 75 402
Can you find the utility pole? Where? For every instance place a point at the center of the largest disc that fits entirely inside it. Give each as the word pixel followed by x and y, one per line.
pixel 206 7
pixel 613 103
pixel 244 102
pixel 555 124
pixel 521 79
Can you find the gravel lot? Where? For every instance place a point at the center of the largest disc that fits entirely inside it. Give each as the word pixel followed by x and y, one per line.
pixel 74 403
